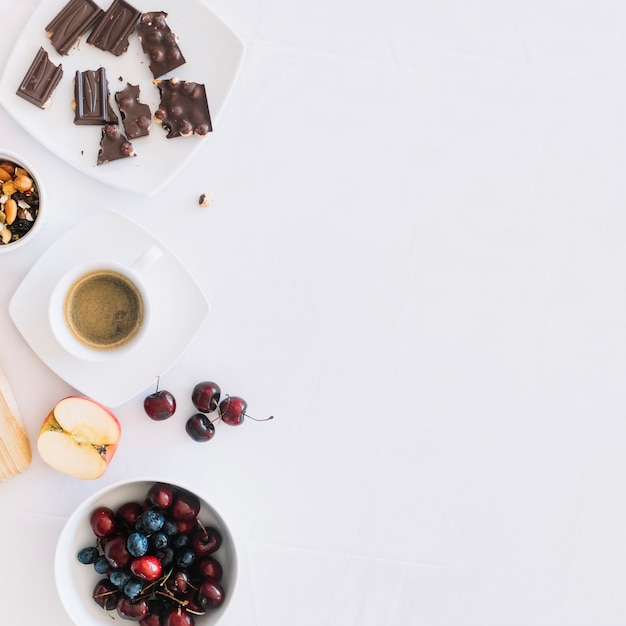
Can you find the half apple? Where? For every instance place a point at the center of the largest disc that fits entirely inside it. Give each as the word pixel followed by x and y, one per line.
pixel 79 437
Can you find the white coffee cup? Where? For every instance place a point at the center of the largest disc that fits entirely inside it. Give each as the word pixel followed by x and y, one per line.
pixel 101 309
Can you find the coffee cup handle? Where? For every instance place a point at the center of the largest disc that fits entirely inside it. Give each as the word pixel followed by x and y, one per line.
pixel 147 259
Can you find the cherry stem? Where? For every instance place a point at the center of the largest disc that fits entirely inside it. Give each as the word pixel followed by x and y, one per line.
pixel 265 419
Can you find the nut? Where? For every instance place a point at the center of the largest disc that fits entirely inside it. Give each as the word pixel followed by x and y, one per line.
pixel 23 183
pixel 8 166
pixel 6 235
pixel 10 210
pixel 4 175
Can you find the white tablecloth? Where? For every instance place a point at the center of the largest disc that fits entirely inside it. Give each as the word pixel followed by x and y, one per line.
pixel 415 260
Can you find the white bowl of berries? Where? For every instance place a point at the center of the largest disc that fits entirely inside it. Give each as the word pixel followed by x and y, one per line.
pixel 147 551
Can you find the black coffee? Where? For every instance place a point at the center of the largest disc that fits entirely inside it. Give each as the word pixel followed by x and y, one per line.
pixel 104 310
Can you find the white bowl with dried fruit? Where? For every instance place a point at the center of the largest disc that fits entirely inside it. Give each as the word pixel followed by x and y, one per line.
pixel 22 197
pixel 148 551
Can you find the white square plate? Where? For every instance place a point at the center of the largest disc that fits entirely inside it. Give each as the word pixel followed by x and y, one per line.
pixel 178 312
pixel 214 55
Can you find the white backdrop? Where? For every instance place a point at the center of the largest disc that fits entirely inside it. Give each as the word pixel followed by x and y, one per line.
pixel 415 260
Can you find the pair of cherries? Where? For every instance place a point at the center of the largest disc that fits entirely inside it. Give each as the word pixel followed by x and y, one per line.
pixel 205 396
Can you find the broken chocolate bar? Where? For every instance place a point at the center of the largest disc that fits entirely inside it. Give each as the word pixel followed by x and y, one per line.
pixel 41 80
pixel 113 145
pixel 136 116
pixel 159 43
pixel 91 95
pixel 113 29
pixel 183 110
pixel 73 21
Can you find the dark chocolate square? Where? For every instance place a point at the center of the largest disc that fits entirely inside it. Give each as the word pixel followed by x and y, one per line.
pixel 41 80
pixel 113 29
pixel 91 95
pixel 73 21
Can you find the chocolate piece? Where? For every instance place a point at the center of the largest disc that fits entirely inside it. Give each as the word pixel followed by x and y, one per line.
pixel 113 145
pixel 183 110
pixel 113 29
pixel 136 116
pixel 74 20
pixel 91 95
pixel 41 80
pixel 159 43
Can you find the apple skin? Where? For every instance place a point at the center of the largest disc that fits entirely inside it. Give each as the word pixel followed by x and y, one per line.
pixel 79 437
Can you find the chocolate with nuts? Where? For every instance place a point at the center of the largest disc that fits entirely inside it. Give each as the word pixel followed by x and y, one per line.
pixel 159 43
pixel 113 29
pixel 41 80
pixel 113 145
pixel 136 116
pixel 73 21
pixel 91 98
pixel 184 109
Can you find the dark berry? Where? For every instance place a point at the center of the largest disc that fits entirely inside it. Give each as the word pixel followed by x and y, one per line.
pixel 152 520
pixel 137 544
pixel 119 577
pixel 133 588
pixel 185 557
pixel 101 565
pixel 159 540
pixel 87 556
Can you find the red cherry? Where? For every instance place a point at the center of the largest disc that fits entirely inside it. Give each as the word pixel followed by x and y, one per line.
pixel 178 617
pixel 178 582
pixel 106 594
pixel 206 396
pixel 147 567
pixel 186 505
pixel 135 611
pixel 210 594
pixel 128 513
pixel 185 526
pixel 115 551
pixel 159 405
pixel 156 608
pixel 200 428
pixel 209 567
pixel 233 411
pixel 103 522
pixel 205 541
pixel 161 495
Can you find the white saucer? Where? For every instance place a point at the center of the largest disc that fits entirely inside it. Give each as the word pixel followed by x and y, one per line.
pixel 110 235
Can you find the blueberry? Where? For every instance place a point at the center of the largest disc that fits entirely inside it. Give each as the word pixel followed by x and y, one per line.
pixel 180 541
pixel 119 577
pixel 137 544
pixel 185 557
pixel 170 526
pixel 165 555
pixel 159 540
pixel 133 588
pixel 101 565
pixel 88 556
pixel 152 520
